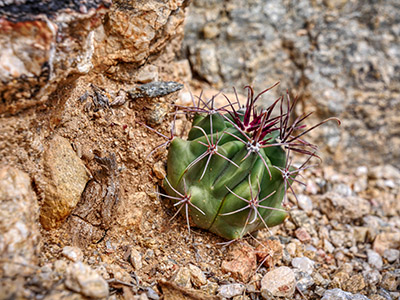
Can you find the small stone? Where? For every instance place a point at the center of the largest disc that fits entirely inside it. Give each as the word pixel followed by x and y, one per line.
pixel 72 253
pixel 304 264
pixel 136 259
pixel 231 290
pixel 304 280
pixel 360 233
pixel 343 208
pixel 82 279
pixel 147 74
pixel 269 252
pixel 66 178
pixel 386 240
pixel 305 203
pixel 390 281
pixel 328 247
pixel 302 235
pixel 182 278
pixel 338 294
pixel 210 288
pixel 374 259
pixel 355 284
pixel 241 262
pixel 280 282
pixel 159 170
pixel 291 248
pixel 391 255
pixel 197 276
pixel 372 277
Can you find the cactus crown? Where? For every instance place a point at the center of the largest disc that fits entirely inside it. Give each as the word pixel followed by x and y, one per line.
pixel 232 173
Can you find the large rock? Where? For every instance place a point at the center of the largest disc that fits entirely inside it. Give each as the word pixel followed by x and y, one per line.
pixel 66 178
pixel 46 44
pixel 340 57
pixel 19 233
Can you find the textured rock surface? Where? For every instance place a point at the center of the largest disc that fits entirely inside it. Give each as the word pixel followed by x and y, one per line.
pixel 66 179
pixel 279 282
pixel 19 232
pixel 341 57
pixel 46 45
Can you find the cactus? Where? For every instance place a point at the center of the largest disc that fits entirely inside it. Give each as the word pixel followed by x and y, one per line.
pixel 232 173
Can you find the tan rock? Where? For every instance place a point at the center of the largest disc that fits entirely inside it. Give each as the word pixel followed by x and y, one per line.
pixel 386 240
pixel 19 233
pixel 241 262
pixel 279 282
pixel 66 178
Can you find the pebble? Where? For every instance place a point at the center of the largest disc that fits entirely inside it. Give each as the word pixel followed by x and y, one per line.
pixel 338 294
pixel 391 255
pixel 386 240
pixel 136 259
pixel 231 290
pixel 374 259
pixel 280 282
pixel 304 264
pixel 305 203
pixel 72 253
pixel 269 252
pixel 241 262
pixel 197 276
pixel 65 177
pixel 84 280
pixel 391 281
pixel 302 235
pixel 304 280
pixel 356 283
pixel 182 278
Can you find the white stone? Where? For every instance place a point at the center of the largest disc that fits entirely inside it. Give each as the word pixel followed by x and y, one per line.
pixel 72 253
pixel 280 282
pixel 304 264
pixel 231 290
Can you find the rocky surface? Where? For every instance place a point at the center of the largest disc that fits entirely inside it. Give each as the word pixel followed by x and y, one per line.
pixel 340 57
pixel 342 239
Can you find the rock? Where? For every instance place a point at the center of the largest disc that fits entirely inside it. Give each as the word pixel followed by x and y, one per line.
pixel 391 281
pixel 197 276
pixel 72 253
pixel 155 89
pixel 305 203
pixel 241 262
pixel 41 46
pixel 19 232
pixel 182 278
pixel 302 235
pixel 374 259
pixel 338 294
pixel 136 259
pixel 269 252
pixel 386 240
pixel 391 255
pixel 147 74
pixel 384 172
pixel 304 280
pixel 231 290
pixel 280 282
pixel 301 219
pixel 355 284
pixel 82 279
pixel 343 209
pixel 303 264
pixel 66 178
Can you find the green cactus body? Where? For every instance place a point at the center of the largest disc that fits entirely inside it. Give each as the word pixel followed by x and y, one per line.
pixel 217 186
pixel 231 174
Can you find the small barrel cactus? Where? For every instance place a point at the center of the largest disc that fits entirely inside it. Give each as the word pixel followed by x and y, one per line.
pixel 231 175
